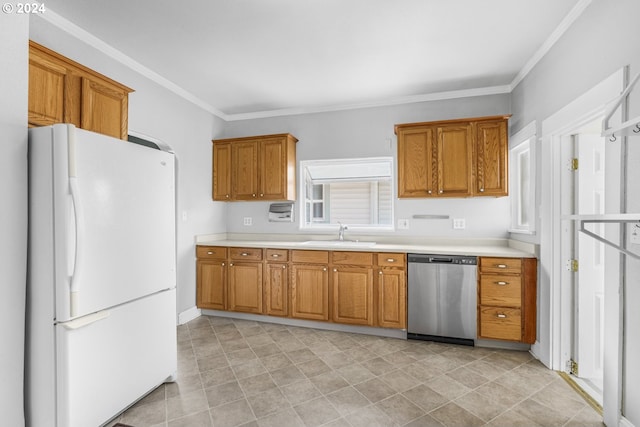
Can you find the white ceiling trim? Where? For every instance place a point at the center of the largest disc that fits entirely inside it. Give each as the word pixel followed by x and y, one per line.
pixel 564 25
pixel 107 49
pixel 93 41
pixel 492 90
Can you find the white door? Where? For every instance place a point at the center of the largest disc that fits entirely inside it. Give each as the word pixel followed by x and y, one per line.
pixel 118 218
pixel 590 199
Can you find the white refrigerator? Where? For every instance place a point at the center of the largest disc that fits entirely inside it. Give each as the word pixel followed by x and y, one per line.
pixel 101 291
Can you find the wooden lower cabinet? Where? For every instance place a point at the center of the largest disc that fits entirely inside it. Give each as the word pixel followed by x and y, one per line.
pixel 358 288
pixel 310 292
pixel 276 289
pixel 211 277
pixel 392 298
pixel 245 287
pixel 507 299
pixel 353 295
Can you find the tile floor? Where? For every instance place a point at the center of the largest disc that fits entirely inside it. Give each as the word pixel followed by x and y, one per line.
pixel 244 373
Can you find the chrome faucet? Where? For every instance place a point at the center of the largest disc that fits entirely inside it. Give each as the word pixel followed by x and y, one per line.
pixel 341 231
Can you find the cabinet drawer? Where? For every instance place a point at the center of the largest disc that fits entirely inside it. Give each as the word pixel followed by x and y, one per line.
pixel 500 290
pixel 280 255
pixel 211 252
pixel 312 257
pixel 391 260
pixel 501 265
pixel 500 323
pixel 245 254
pixel 352 258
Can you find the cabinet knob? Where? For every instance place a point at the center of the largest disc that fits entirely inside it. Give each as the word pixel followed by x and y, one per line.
pixel 324 269
pixel 335 270
pixel 284 266
pixel 502 283
pixel 253 195
pixel 501 316
pixel 441 191
pixel 429 191
pixel 231 264
pixel 261 194
pixel 380 272
pixel 223 264
pixel 482 190
pixel 227 196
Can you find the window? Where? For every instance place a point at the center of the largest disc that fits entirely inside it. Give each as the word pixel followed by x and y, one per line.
pixel 522 181
pixel 355 192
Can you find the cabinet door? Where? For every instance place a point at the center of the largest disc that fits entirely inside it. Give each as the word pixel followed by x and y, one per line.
pixel 47 85
pixel 276 291
pixel 273 169
pixel 211 284
pixel 491 159
pixel 245 287
pixel 353 295
pixel 222 172
pixel 417 163
pixel 104 109
pixel 244 170
pixel 310 292
pixel 454 160
pixel 392 298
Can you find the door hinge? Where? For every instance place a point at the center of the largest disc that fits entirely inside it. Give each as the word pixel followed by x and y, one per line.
pixel 574 164
pixel 572 367
pixel 572 265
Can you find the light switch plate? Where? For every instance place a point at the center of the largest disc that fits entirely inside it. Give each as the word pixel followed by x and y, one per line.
pixel 403 224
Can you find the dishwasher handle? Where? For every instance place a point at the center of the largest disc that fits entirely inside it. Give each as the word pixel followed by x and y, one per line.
pixel 442 259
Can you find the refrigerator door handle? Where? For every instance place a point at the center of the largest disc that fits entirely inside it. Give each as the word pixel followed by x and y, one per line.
pixel 76 275
pixel 86 320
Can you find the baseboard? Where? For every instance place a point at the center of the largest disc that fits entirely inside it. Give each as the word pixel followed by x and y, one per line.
pixel 625 422
pixel 188 315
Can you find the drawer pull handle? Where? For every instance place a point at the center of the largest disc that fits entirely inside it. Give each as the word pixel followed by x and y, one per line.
pixel 209 253
pixel 275 255
pixel 501 265
pixel 502 283
pixel 391 260
pixel 501 316
pixel 244 254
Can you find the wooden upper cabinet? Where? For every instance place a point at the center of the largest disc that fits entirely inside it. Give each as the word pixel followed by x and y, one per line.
pixel 244 170
pixel 491 158
pixel 260 168
pixel 417 162
pixel 63 91
pixel 222 172
pixel 453 158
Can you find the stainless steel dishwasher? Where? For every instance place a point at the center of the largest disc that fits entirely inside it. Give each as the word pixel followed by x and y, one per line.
pixel 442 298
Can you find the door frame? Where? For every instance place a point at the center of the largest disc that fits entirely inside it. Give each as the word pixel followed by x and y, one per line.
pixel 556 300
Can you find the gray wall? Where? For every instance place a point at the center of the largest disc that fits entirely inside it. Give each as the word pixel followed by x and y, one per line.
pixel 188 129
pixel 603 40
pixel 14 30
pixel 369 133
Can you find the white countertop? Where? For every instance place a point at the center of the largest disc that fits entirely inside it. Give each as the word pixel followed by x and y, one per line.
pixel 473 247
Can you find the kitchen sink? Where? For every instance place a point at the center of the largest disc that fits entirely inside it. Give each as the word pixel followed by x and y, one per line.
pixel 339 243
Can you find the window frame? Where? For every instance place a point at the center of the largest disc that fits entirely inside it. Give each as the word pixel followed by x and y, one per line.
pixel 521 142
pixel 329 226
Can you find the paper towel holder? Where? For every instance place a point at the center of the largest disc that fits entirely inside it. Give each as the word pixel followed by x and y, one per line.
pixel 281 212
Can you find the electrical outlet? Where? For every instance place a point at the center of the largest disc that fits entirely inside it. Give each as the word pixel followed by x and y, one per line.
pixel 459 224
pixel 403 224
pixel 248 220
pixel 184 215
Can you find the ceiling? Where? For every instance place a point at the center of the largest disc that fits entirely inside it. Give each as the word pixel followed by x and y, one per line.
pixel 250 58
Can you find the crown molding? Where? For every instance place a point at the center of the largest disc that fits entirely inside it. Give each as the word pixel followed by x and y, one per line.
pixel 466 93
pixel 93 41
pixel 98 44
